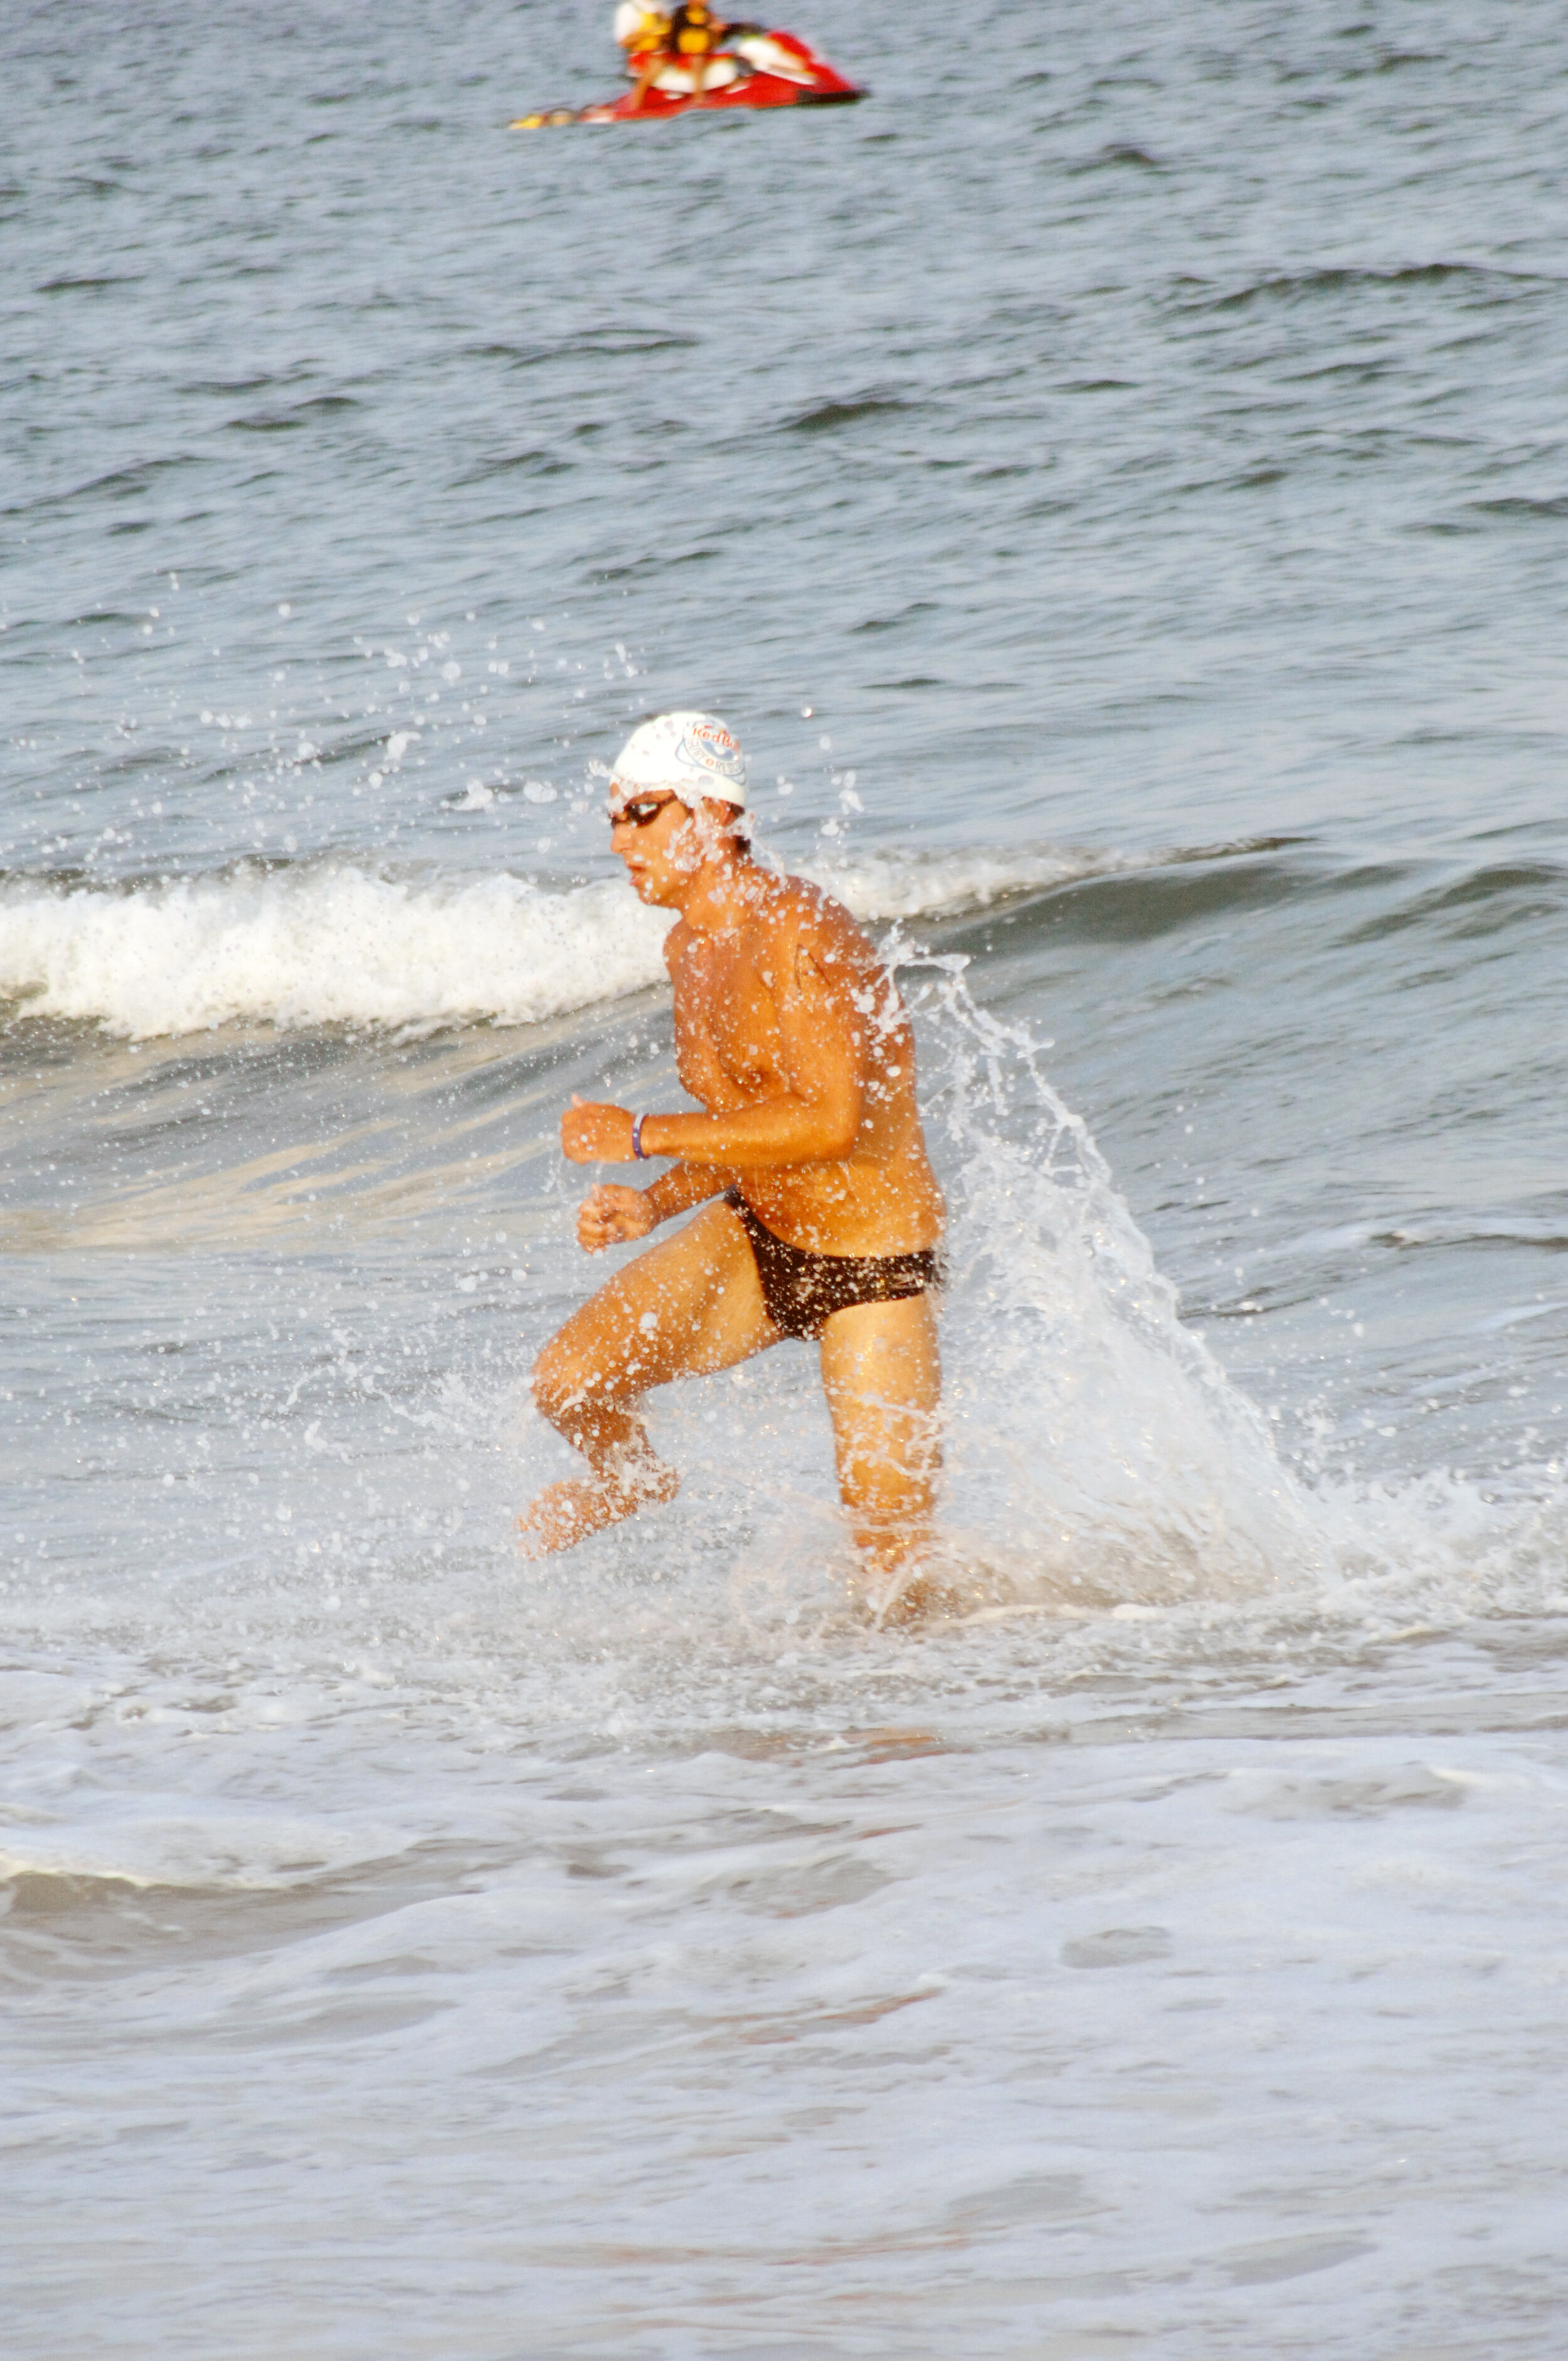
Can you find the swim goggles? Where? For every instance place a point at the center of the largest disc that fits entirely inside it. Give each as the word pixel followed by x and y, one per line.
pixel 639 809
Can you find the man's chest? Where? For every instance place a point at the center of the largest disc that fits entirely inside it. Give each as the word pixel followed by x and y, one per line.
pixel 726 1017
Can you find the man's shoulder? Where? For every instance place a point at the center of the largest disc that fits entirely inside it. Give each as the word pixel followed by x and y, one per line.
pixel 796 909
pixel 675 942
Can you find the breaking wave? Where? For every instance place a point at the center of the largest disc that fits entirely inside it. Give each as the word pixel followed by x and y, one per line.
pixel 332 944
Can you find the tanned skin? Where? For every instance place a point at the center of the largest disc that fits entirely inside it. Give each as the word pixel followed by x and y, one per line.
pixel 792 1035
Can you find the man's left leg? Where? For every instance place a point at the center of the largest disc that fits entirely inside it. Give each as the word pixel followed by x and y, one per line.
pixel 688 1306
pixel 882 1374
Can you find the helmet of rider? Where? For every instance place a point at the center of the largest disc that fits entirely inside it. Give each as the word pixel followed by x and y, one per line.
pixel 691 754
pixel 635 24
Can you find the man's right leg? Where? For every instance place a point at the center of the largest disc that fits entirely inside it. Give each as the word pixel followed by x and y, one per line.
pixel 686 1307
pixel 882 1376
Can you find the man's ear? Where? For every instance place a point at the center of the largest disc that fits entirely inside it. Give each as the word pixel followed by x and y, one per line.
pixel 718 822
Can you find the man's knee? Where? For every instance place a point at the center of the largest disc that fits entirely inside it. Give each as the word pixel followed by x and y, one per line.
pixel 888 1456
pixel 568 1385
pixel 561 1385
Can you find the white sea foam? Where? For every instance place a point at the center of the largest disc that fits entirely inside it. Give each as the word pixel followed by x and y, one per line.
pixel 323 946
pixel 331 943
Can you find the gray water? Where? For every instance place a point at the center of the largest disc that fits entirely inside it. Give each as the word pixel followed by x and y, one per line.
pixel 1114 482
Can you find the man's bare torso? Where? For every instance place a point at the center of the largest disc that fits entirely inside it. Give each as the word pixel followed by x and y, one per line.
pixel 743 1004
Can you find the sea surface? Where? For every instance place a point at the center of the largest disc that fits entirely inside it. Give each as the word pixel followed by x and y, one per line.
pixel 1115 481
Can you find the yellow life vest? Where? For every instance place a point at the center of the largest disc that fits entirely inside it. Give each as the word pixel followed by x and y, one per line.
pixel 695 27
pixel 652 34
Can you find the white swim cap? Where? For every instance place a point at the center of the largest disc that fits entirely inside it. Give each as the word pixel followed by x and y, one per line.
pixel 691 754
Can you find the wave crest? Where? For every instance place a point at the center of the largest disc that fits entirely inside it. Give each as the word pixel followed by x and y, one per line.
pixel 336 944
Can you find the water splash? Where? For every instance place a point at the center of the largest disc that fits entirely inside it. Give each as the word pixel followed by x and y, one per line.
pixel 1097 1453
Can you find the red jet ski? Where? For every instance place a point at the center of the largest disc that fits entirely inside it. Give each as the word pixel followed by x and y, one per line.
pixel 752 68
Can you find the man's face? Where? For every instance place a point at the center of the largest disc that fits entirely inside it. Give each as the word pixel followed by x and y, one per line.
pixel 658 837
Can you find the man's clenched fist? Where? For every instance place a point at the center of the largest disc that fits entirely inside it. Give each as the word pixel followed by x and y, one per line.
pixel 609 1214
pixel 593 1133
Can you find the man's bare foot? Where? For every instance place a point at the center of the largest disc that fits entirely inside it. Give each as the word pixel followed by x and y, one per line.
pixel 564 1514
pixel 919 1600
pixel 906 1591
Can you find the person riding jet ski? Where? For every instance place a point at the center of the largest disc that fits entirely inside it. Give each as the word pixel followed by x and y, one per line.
pixel 684 57
pixel 641 31
pixel 678 50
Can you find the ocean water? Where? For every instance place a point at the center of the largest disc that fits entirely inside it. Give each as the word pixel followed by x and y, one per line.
pixel 1113 481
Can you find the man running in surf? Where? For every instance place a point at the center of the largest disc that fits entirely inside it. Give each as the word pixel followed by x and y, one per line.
pixel 822 1215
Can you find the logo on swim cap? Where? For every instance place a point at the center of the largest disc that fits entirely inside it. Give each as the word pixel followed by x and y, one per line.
pixel 691 754
pixel 709 746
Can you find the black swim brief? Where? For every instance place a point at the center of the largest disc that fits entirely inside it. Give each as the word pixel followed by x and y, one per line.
pixel 801 1289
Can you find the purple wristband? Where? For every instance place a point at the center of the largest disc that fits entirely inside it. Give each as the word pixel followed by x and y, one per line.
pixel 637 1148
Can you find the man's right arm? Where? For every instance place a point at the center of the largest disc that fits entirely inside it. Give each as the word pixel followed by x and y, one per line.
pixel 613 1215
pixel 684 1185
